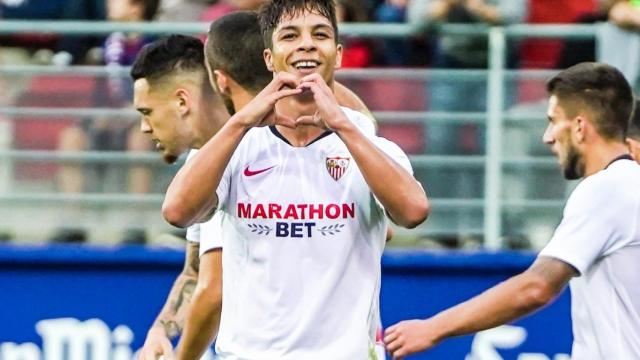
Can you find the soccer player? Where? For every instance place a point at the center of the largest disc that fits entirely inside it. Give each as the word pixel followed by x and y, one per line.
pixel 633 133
pixel 303 192
pixel 234 63
pixel 595 248
pixel 180 112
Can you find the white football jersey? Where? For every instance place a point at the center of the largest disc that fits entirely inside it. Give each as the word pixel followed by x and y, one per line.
pixel 303 240
pixel 600 237
pixel 206 233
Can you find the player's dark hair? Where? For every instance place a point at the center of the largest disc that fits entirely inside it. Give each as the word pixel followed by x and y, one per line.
pixel 600 88
pixel 634 123
pixel 167 56
pixel 273 11
pixel 234 45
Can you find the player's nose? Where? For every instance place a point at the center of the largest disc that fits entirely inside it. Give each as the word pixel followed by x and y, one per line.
pixel 306 42
pixel 144 126
pixel 547 136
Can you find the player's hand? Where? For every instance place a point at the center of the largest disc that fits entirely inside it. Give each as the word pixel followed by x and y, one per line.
pixel 409 337
pixel 156 345
pixel 329 114
pixel 261 110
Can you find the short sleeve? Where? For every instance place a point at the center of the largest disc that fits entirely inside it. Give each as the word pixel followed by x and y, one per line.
pixel 211 233
pixel 193 233
pixel 223 188
pixel 393 151
pixel 590 228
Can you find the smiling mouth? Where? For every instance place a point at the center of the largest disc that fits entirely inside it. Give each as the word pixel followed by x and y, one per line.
pixel 159 145
pixel 306 64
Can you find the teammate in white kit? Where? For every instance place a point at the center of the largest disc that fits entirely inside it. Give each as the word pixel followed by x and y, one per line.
pixel 180 111
pixel 595 248
pixel 305 225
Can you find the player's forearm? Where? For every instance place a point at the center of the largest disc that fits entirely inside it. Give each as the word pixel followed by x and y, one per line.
pixel 171 317
pixel 201 326
pixel 505 302
pixel 625 15
pixel 398 191
pixel 192 192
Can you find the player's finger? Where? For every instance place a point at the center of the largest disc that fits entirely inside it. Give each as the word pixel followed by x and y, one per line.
pixel 284 93
pixel 284 78
pixel 315 78
pixel 167 351
pixel 305 120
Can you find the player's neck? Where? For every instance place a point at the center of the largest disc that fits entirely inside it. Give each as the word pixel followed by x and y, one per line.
pixel 295 107
pixel 601 156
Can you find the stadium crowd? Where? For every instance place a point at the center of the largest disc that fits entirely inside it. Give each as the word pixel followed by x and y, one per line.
pixel 429 50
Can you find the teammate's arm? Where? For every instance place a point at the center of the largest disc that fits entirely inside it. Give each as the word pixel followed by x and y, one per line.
pixel 203 320
pixel 170 320
pixel 192 192
pixel 505 302
pixel 348 98
pixel 400 194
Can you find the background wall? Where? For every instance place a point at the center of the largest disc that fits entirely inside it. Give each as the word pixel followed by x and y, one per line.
pixel 73 303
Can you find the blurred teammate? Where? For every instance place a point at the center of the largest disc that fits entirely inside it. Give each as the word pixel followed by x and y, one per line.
pixel 180 112
pixel 633 133
pixel 595 248
pixel 303 230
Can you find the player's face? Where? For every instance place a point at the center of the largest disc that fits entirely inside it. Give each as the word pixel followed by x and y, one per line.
pixel 304 44
pixel 559 137
pixel 634 148
pixel 161 120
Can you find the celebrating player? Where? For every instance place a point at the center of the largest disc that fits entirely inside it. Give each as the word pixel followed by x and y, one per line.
pixel 595 248
pixel 303 200
pixel 180 111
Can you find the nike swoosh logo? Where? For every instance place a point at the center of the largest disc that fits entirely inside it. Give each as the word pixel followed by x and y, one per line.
pixel 248 172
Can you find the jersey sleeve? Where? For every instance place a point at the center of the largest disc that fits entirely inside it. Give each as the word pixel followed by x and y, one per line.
pixel 193 233
pixel 224 187
pixel 392 150
pixel 592 226
pixel 211 233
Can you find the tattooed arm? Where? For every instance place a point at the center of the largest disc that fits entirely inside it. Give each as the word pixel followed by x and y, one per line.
pixel 170 322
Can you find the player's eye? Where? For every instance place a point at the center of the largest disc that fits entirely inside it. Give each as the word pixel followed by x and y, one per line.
pixel 288 36
pixel 321 35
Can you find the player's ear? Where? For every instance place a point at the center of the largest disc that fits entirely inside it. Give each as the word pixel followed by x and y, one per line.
pixel 268 59
pixel 183 102
pixel 221 82
pixel 580 128
pixel 338 56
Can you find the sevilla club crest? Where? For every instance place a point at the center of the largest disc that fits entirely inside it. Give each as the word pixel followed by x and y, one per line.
pixel 337 166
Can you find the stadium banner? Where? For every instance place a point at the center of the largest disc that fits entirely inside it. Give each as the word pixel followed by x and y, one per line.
pixel 80 302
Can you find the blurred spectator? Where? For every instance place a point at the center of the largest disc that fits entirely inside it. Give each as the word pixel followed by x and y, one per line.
pixel 182 10
pixel 461 94
pixel 109 134
pixel 619 43
pixel 625 14
pixel 356 51
pixel 396 52
pixel 461 52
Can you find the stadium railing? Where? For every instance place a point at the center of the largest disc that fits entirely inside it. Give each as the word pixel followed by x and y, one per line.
pixel 495 206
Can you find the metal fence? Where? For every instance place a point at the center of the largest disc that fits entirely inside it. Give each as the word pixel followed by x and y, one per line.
pixel 505 169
